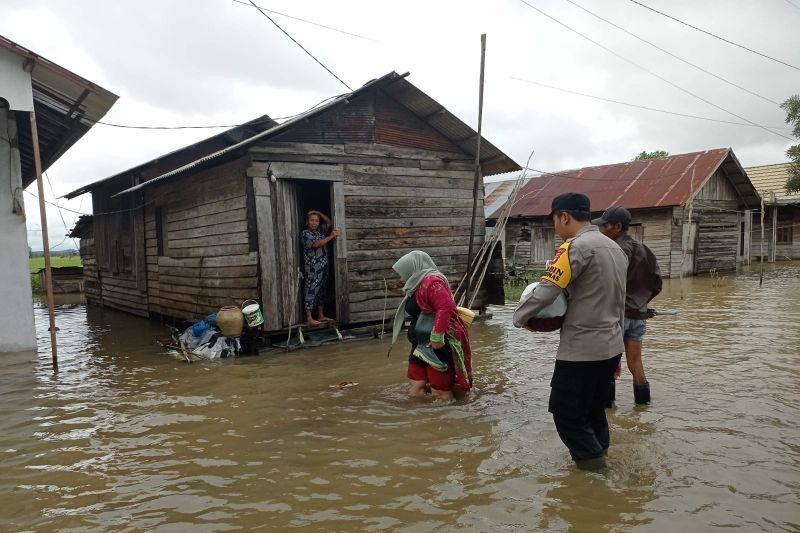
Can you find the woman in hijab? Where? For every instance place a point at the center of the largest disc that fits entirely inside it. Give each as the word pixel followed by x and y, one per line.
pixel 440 356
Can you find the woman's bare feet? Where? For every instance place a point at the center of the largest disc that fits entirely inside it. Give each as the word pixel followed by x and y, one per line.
pixel 326 319
pixel 310 322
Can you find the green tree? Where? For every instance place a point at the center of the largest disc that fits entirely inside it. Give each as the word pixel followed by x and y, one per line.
pixel 650 155
pixel 792 108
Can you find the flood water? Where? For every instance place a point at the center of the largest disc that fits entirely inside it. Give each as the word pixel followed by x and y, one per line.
pixel 125 437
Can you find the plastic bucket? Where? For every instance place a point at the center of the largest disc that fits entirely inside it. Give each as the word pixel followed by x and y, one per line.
pixel 252 314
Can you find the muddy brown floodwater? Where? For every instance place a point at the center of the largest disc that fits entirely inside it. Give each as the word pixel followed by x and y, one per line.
pixel 125 437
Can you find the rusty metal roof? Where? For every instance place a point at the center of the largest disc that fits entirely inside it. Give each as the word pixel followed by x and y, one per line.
pixel 662 182
pixel 493 161
pixel 496 194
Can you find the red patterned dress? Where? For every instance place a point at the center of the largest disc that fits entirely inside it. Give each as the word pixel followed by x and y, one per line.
pixel 434 297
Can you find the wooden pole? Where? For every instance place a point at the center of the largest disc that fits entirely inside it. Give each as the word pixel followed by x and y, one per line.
pixel 476 185
pixel 761 270
pixel 774 239
pixel 37 161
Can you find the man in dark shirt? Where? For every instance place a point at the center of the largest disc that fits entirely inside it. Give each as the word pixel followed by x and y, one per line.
pixel 643 284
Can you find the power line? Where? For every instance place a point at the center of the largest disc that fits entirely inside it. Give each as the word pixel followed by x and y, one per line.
pixel 792 4
pixel 662 78
pixel 307 21
pixel 60 214
pixel 715 36
pixel 657 110
pixel 250 123
pixel 673 55
pixel 300 45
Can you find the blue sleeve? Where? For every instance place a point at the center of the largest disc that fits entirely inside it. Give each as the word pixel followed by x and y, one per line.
pixel 307 238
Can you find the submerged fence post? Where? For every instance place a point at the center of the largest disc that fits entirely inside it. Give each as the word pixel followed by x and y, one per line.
pixel 45 239
pixel 476 186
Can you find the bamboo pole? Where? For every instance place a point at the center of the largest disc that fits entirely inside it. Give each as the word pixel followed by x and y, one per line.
pixel 476 185
pixel 761 269
pixel 37 161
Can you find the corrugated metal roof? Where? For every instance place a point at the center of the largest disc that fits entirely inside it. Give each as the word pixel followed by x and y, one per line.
pixel 769 179
pixel 229 136
pixel 497 193
pixel 66 107
pixel 661 182
pixel 426 108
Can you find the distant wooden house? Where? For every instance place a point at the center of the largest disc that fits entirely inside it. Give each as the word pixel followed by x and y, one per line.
pixel 660 193
pixel 219 222
pixel 66 280
pixel 781 215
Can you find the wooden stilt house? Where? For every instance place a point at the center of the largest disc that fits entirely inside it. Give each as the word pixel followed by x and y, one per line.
pixel 209 226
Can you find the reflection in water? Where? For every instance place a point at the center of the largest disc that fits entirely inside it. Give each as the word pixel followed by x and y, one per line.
pixel 125 436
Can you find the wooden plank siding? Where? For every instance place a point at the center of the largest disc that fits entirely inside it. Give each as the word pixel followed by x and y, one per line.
pixel 117 229
pixel 91 280
pixel 788 234
pixel 208 258
pixel 389 210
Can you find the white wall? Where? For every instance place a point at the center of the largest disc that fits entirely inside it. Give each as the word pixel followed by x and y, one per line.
pixel 17 332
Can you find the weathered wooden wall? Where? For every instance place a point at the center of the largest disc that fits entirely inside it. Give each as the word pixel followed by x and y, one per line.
pixel 91 280
pixel 788 220
pixel 395 200
pixel 118 230
pixel 208 257
pixel 657 233
pixel 715 209
pixel 532 242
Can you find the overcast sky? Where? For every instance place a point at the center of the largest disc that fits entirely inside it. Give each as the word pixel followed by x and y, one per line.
pixel 189 62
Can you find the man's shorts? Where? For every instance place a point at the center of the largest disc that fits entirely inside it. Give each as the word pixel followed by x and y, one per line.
pixel 419 371
pixel 634 330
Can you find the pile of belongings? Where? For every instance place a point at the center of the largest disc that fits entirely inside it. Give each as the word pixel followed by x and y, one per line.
pixel 203 338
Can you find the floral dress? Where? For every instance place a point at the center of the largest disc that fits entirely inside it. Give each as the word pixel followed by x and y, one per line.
pixel 315 267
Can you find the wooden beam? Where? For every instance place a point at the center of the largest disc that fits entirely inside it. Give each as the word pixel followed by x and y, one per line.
pixel 340 251
pixel 37 161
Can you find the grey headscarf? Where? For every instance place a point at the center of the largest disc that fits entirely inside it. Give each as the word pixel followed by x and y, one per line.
pixel 412 267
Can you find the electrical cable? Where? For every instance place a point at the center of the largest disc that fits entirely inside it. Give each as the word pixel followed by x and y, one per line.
pixel 300 45
pixel 662 78
pixel 686 115
pixel 307 21
pixel 715 36
pixel 770 100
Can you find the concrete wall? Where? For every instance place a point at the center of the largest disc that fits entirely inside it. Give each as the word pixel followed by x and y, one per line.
pixel 17 332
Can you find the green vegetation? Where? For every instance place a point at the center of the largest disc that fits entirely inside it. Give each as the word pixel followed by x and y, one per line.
pixel 37 263
pixel 650 155
pixel 792 108
pixel 513 286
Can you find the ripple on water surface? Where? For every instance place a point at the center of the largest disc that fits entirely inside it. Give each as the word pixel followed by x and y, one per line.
pixel 124 436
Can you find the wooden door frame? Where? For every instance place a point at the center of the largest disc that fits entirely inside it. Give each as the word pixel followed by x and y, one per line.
pixel 265 176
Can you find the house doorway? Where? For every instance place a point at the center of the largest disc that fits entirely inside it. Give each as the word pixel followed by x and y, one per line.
pixel 315 195
pixel 295 198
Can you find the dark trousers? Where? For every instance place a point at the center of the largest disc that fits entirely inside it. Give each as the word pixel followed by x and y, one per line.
pixel 578 396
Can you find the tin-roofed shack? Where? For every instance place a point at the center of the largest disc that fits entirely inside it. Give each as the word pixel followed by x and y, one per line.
pixel 391 165
pixel 781 216
pixel 659 193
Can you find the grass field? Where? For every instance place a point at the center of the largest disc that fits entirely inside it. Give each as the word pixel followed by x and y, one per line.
pixel 37 263
pixel 513 287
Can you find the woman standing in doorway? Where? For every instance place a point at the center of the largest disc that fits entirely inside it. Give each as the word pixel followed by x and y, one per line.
pixel 440 357
pixel 315 239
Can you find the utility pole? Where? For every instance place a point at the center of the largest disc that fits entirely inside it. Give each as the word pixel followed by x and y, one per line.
pixel 478 174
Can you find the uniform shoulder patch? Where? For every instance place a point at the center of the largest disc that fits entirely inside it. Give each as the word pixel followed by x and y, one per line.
pixel 559 272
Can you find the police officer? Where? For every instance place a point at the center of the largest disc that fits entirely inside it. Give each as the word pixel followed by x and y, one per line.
pixel 642 285
pixel 589 268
